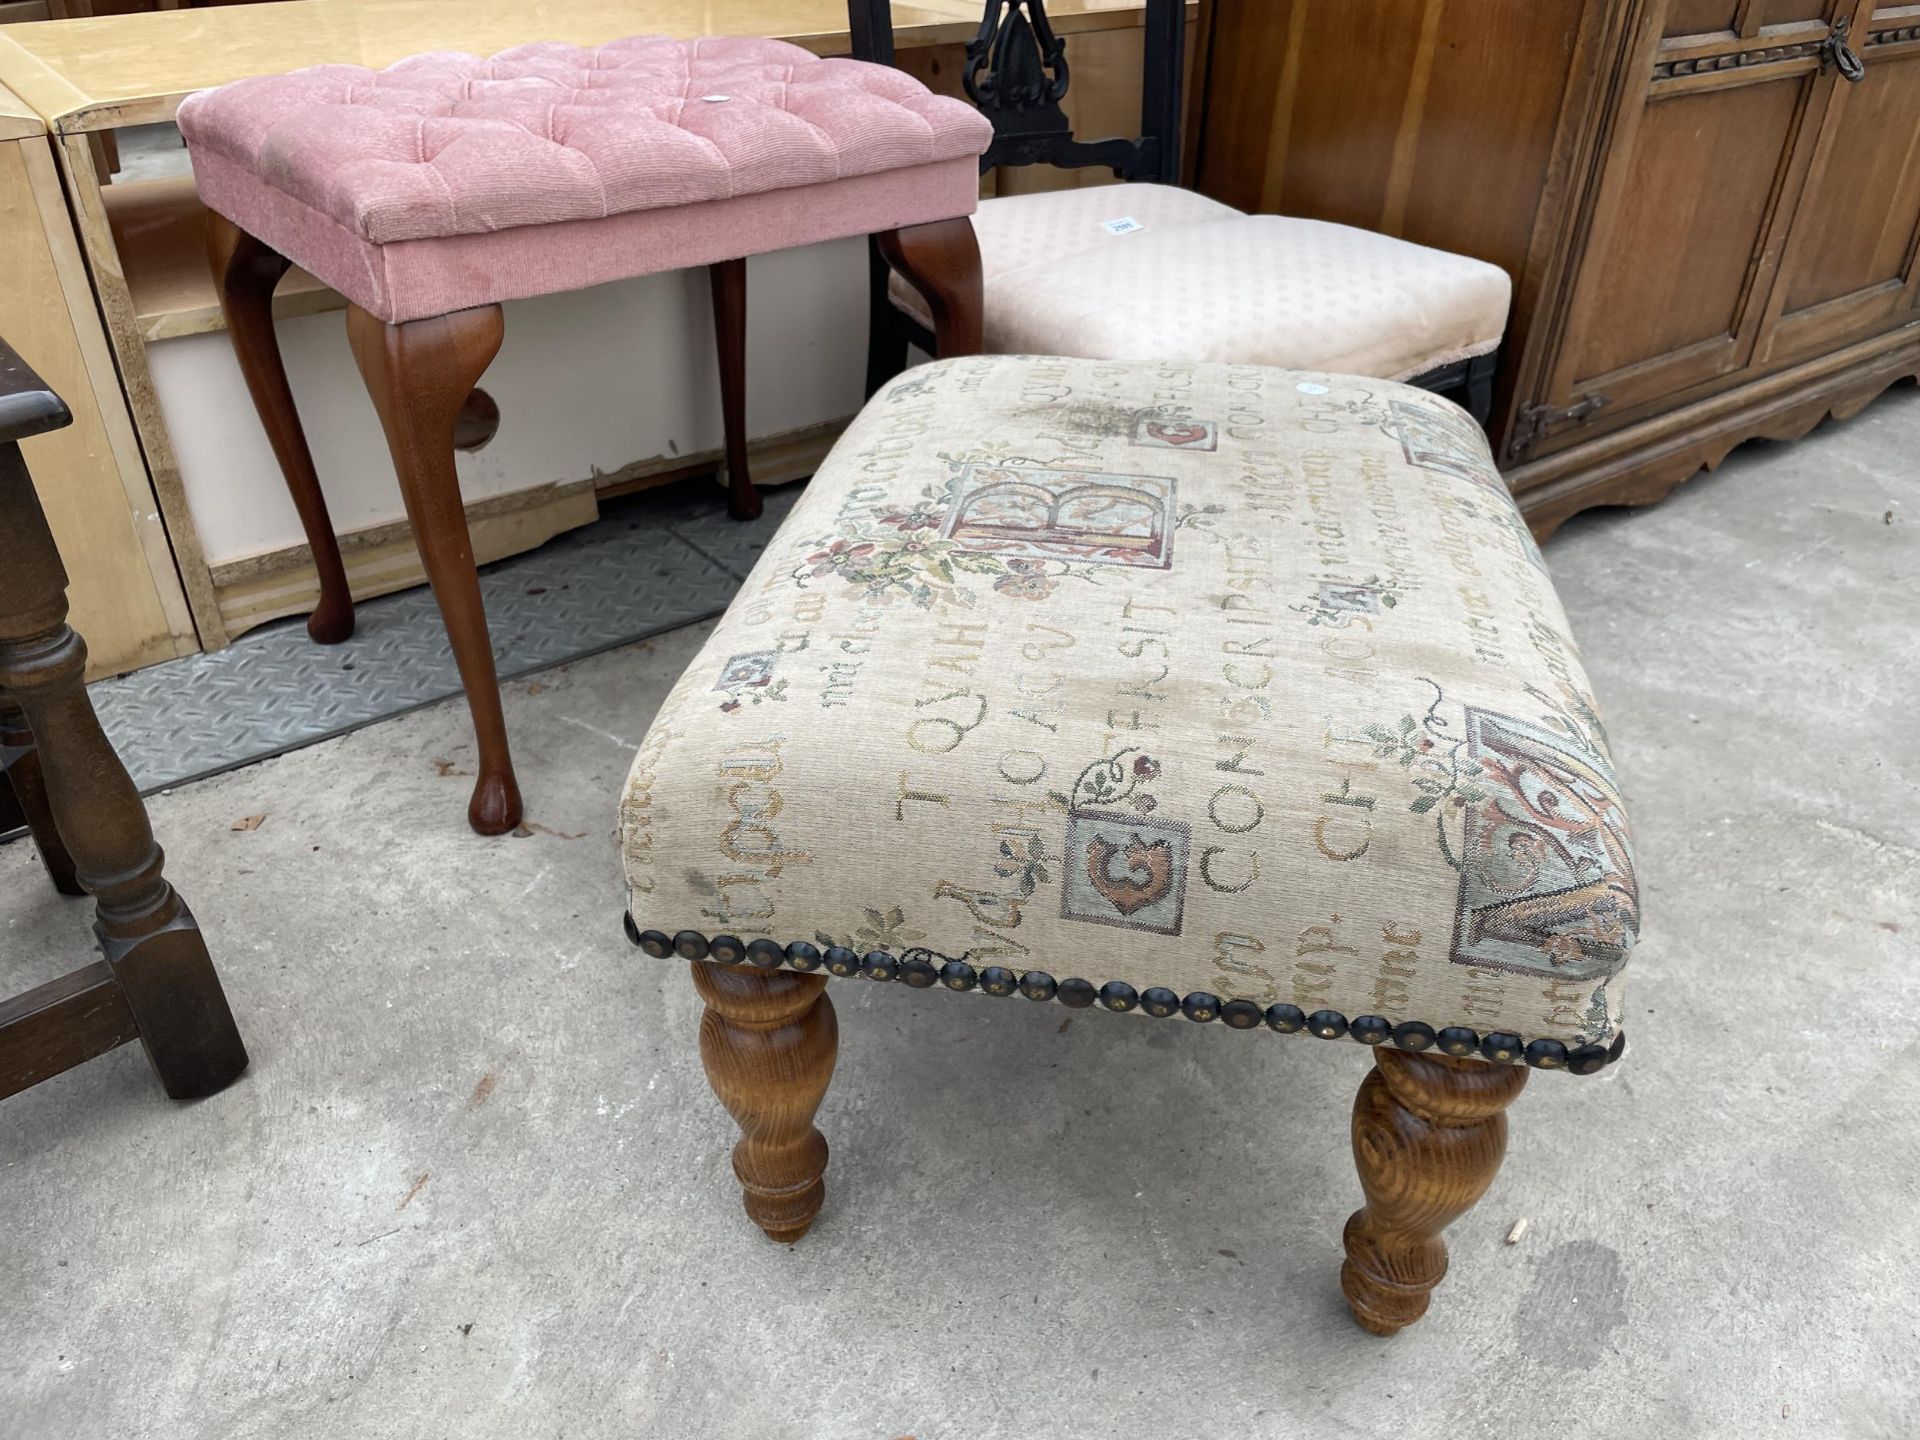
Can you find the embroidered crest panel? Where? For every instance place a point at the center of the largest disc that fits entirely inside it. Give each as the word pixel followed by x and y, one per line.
pixel 1229 680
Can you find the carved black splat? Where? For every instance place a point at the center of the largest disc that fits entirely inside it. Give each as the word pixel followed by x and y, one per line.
pixel 1017 75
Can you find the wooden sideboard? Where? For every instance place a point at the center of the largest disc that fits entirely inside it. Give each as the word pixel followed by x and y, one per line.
pixel 1710 208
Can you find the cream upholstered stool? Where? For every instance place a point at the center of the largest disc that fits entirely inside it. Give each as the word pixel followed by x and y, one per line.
pixel 1187 278
pixel 429 192
pixel 1147 271
pixel 1233 694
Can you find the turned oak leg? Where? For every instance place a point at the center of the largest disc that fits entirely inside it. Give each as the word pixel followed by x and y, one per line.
pixel 729 282
pixel 244 273
pixel 942 261
pixel 1428 1134
pixel 768 1040
pixel 148 936
pixel 23 798
pixel 886 336
pixel 419 373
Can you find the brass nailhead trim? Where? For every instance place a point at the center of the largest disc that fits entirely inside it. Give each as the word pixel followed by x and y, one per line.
pixel 918 970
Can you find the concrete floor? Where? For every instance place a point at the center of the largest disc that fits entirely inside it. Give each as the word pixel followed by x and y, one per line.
pixel 475 1185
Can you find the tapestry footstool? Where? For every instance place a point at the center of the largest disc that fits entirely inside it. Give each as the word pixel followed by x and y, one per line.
pixel 1224 695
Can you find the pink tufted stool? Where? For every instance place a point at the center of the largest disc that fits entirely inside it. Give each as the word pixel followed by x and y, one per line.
pixel 429 192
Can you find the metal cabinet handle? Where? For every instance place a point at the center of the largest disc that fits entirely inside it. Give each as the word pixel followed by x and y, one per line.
pixel 1835 51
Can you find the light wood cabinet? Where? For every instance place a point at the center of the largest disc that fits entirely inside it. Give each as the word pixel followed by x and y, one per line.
pixel 1710 208
pixel 125 597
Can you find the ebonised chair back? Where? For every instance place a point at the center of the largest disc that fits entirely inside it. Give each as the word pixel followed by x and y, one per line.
pixel 1017 75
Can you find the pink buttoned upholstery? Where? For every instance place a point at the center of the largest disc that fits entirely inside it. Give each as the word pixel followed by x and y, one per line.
pixel 447 181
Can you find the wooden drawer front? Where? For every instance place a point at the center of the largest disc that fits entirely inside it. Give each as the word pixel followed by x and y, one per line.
pixel 1849 269
pixel 1706 150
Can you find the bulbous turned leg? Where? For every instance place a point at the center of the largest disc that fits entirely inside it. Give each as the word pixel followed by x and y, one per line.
pixel 147 935
pixel 1428 1134
pixel 23 798
pixel 768 1041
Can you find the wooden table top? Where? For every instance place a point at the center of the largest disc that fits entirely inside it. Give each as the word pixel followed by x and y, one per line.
pixel 17 118
pixel 99 73
pixel 27 406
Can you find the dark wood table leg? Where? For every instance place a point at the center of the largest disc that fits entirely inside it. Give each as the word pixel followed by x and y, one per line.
pixel 418 374
pixel 729 280
pixel 942 261
pixel 163 981
pixel 23 797
pixel 886 336
pixel 245 272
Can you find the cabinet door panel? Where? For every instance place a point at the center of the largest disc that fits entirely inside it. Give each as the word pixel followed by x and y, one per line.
pixel 1783 12
pixel 1680 239
pixel 1849 268
pixel 1666 289
pixel 1701 18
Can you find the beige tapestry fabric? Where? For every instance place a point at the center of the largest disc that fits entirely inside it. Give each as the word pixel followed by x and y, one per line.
pixel 1233 683
pixel 1127 272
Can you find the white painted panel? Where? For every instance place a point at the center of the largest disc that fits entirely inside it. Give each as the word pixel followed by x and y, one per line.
pixel 587 382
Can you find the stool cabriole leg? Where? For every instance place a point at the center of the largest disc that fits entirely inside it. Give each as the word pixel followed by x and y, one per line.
pixel 245 272
pixel 942 261
pixel 23 798
pixel 1428 1134
pixel 419 373
pixel 158 959
pixel 768 1041
pixel 728 280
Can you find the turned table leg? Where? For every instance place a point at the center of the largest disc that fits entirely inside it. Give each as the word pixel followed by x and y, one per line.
pixel 419 373
pixel 729 283
pixel 245 272
pixel 23 798
pixel 158 960
pixel 768 1040
pixel 1428 1135
pixel 942 261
